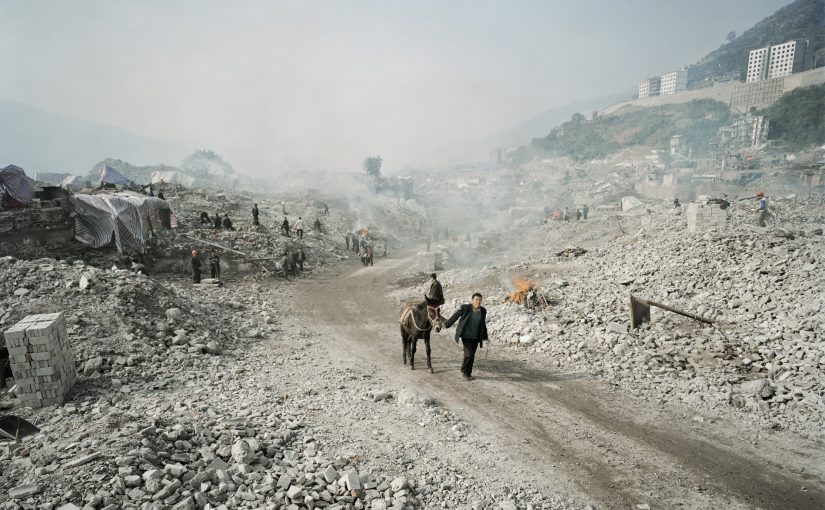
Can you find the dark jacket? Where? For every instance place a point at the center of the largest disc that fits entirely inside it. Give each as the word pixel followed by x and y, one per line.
pixel 461 316
pixel 436 293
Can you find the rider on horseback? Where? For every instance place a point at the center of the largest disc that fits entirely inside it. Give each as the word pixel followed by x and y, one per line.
pixel 436 295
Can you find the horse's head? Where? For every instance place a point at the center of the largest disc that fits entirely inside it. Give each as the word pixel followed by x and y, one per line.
pixel 432 315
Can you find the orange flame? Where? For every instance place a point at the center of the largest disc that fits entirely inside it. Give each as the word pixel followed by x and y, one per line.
pixel 522 288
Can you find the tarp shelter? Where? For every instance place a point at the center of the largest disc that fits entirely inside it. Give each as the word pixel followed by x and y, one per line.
pixel 15 185
pixel 630 203
pixel 124 217
pixel 109 175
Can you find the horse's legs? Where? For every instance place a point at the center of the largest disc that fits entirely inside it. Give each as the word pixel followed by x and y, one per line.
pixel 413 342
pixel 404 344
pixel 427 348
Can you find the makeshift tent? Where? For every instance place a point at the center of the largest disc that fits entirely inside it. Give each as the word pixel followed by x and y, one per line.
pixel 122 216
pixel 109 175
pixel 630 203
pixel 16 186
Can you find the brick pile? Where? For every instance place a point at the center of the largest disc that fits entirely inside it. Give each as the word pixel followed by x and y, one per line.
pixel 701 217
pixel 41 359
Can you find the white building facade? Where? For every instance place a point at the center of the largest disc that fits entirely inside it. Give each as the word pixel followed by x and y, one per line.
pixel 758 64
pixel 673 82
pixel 649 87
pixel 786 59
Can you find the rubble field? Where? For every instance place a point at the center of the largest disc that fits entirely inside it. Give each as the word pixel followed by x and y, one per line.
pixel 761 359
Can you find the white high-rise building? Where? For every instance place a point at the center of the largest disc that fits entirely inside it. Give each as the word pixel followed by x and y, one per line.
pixel 649 87
pixel 786 59
pixel 673 82
pixel 776 61
pixel 758 64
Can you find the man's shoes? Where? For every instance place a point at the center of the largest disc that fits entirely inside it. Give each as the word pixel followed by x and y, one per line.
pixel 467 377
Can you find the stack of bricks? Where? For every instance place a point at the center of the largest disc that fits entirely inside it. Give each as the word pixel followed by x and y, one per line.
pixel 702 217
pixel 41 359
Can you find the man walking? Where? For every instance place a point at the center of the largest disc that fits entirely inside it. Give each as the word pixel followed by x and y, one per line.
pixel 196 267
pixel 285 227
pixel 346 238
pixel 301 258
pixel 299 228
pixel 255 215
pixel 472 330
pixel 762 209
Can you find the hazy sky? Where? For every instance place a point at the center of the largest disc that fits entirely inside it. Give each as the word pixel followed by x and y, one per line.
pixel 309 84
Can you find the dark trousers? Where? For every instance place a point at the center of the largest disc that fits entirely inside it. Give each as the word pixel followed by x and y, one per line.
pixel 470 347
pixel 196 276
pixel 300 232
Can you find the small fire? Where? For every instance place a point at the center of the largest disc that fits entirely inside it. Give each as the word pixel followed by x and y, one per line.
pixel 522 288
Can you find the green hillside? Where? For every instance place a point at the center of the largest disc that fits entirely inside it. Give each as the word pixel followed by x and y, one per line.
pixel 798 118
pixel 802 19
pixel 581 139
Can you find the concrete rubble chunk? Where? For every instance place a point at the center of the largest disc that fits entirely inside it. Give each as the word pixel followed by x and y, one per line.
pixel 330 474
pixel 24 491
pixel 351 480
pixel 81 460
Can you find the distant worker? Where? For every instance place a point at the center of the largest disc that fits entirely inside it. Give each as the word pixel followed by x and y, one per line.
pixel 285 227
pixel 471 330
pixel 326 210
pixel 762 209
pixel 227 223
pixel 317 224
pixel 676 203
pixel 255 215
pixel 214 266
pixel 205 218
pixel 151 192
pixel 566 214
pixel 346 240
pixel 301 259
pixel 585 210
pixel 385 247
pixel 299 228
pixel 369 254
pixel 196 267
pixel 578 214
pixel 217 221
pixel 160 195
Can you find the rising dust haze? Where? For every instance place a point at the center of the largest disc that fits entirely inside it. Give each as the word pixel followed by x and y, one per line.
pixel 297 86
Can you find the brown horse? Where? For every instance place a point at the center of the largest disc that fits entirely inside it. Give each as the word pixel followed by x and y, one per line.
pixel 417 321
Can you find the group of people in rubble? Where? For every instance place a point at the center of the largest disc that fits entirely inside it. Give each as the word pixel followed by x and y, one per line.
pixel 363 245
pixel 197 266
pixel 292 262
pixel 217 222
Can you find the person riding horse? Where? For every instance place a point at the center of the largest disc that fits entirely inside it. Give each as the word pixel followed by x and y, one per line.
pixel 417 321
pixel 436 294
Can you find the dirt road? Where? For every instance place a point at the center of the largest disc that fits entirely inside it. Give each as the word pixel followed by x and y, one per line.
pixel 567 431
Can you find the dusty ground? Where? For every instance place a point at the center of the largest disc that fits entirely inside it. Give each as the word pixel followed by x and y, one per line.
pixel 566 435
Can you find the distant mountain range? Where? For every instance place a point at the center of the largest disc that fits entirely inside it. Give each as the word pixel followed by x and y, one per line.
pixel 40 141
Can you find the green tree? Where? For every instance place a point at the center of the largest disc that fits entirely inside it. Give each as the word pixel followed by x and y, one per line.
pixel 372 166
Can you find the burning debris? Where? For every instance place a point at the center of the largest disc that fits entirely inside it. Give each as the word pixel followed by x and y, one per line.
pixel 527 294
